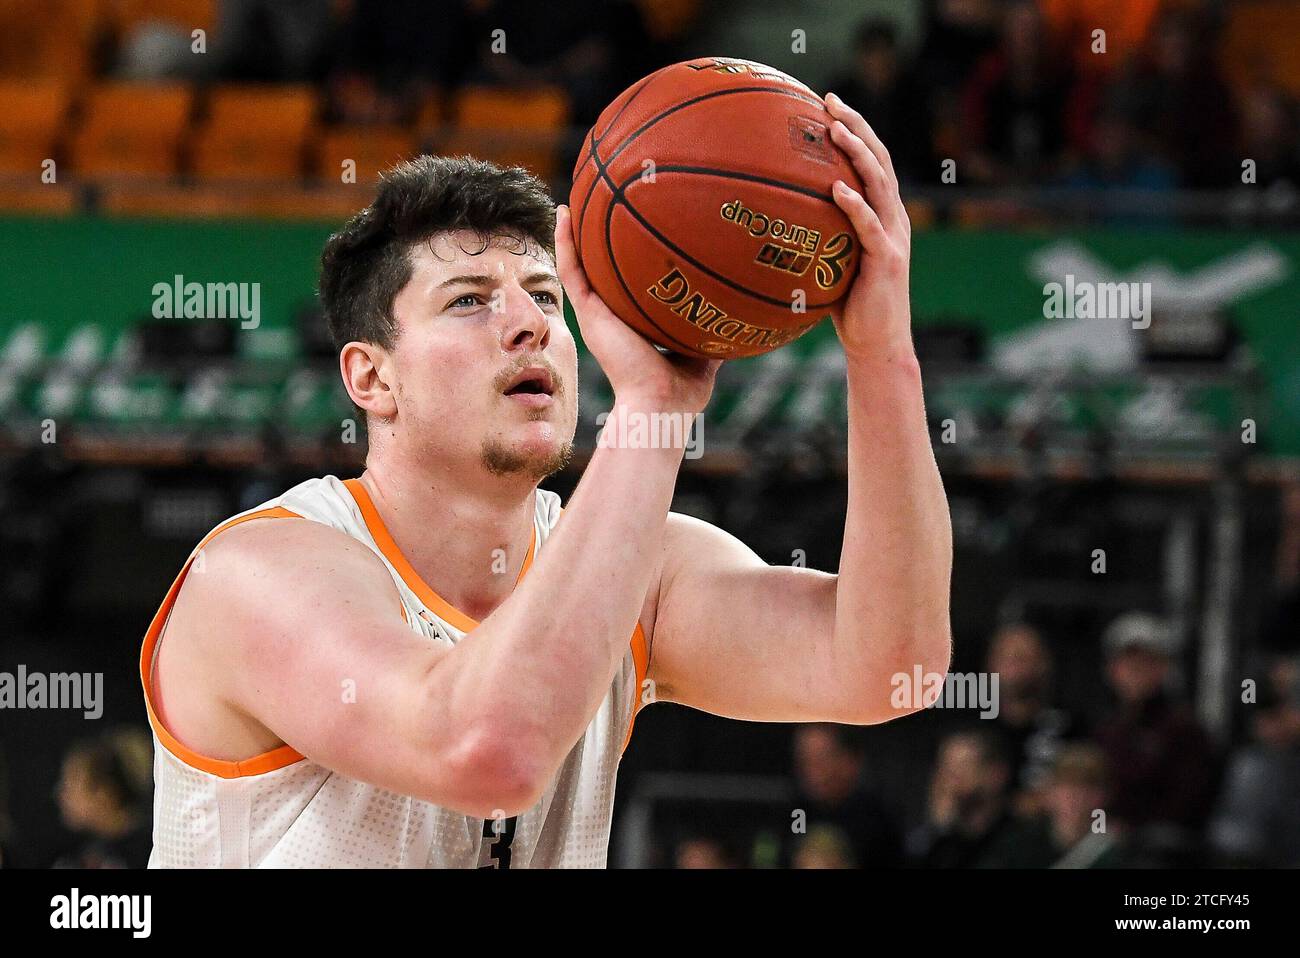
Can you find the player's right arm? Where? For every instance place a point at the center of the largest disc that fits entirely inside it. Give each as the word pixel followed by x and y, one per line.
pixel 291 631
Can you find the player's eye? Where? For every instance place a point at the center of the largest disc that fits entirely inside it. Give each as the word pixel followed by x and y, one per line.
pixel 469 299
pixel 545 297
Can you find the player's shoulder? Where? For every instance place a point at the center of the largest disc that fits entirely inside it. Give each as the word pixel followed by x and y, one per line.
pixel 281 562
pixel 694 548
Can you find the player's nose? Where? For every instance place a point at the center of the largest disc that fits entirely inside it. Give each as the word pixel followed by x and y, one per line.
pixel 525 325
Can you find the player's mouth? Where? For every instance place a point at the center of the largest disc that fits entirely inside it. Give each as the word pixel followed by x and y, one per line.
pixel 532 386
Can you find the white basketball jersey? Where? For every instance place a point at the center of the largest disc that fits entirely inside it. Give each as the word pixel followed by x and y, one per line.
pixel 280 809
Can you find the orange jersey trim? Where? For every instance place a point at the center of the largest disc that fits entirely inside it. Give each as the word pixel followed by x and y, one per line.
pixel 285 755
pixel 379 532
pixel 642 659
pixel 258 764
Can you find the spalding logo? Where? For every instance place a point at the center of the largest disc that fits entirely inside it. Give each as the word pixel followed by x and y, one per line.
pixel 675 292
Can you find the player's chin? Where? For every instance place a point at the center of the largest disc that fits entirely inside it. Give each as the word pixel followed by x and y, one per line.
pixel 535 450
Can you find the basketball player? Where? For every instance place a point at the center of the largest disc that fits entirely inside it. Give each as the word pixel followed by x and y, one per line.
pixel 428 666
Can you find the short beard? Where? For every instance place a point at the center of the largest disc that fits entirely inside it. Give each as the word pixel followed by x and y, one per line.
pixel 502 462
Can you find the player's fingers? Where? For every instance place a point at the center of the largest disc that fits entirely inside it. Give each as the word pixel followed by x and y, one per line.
pixel 880 192
pixel 572 276
pixel 866 223
pixel 856 122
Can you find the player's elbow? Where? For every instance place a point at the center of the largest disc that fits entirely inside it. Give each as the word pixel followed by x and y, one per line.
pixel 497 773
pixel 901 683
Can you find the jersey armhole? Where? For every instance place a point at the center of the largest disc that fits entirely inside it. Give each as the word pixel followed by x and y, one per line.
pixel 257 765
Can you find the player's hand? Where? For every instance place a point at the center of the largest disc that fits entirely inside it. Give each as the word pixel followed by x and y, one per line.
pixel 877 318
pixel 640 374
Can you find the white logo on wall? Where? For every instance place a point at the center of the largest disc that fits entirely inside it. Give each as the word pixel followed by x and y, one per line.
pixel 1093 339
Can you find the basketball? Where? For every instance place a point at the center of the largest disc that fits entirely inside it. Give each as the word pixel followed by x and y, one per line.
pixel 702 209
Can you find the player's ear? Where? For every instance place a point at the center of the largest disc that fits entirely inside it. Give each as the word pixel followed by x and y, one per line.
pixel 367 376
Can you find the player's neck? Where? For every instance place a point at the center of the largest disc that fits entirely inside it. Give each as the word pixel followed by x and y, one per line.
pixel 467 540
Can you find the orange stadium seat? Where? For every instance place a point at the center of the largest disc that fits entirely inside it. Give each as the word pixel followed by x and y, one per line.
pixel 131 129
pixel 31 121
pixel 49 38
pixel 372 149
pixel 515 127
pixel 254 133
pixel 1259 44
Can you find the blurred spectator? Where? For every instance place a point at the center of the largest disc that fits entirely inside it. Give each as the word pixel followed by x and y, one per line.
pixel 1013 105
pixel 1118 175
pixel 1073 832
pixel 702 852
pixel 958 34
pixel 1126 23
pixel 104 792
pixel 1032 728
pixel 273 41
pixel 1114 158
pixel 1162 760
pixel 1178 93
pixel 830 788
pixel 1271 137
pixel 1257 821
pixel 891 97
pixel 969 821
pixel 391 52
pixel 592 49
pixel 825 846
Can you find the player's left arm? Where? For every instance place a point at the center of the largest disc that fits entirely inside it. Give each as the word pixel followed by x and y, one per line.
pixel 734 636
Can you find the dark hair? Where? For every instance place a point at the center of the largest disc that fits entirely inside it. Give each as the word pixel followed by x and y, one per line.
pixel 117 761
pixel 367 263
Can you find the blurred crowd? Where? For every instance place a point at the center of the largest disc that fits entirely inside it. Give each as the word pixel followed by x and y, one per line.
pixel 1016 92
pixel 379 59
pixel 104 797
pixel 1139 785
pixel 1025 93
pixel 1128 779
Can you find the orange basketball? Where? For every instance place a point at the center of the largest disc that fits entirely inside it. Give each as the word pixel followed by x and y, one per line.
pixel 703 211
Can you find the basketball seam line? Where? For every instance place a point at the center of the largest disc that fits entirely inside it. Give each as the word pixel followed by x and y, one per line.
pixel 627 290
pixel 594 154
pixel 601 167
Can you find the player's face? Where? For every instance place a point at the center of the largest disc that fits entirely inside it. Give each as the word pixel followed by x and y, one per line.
pixel 487 367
